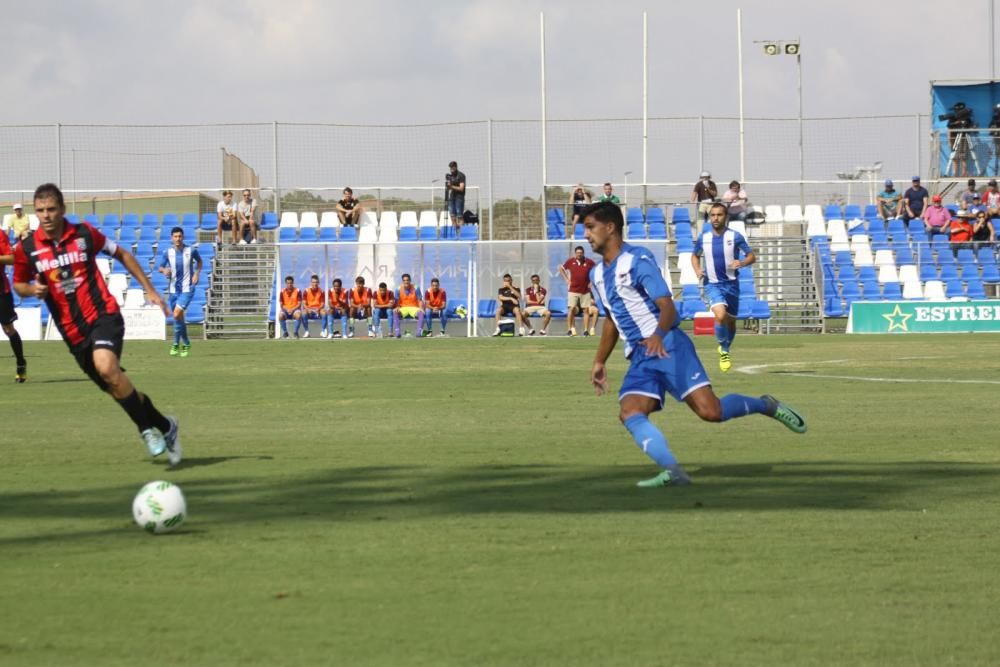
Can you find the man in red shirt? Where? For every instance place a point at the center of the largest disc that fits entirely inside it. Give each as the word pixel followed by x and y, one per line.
pixel 436 303
pixel 576 272
pixel 960 231
pixel 7 312
pixel 58 263
pixel 534 299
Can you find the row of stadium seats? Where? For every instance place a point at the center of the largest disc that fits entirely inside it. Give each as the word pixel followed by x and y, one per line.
pixel 372 234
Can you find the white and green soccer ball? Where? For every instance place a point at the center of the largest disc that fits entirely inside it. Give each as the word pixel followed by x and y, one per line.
pixel 461 312
pixel 159 507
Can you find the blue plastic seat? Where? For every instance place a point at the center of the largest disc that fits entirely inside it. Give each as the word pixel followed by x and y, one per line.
pixel 832 212
pixel 165 233
pixel 555 215
pixel 189 220
pixel 557 306
pixel 852 211
pixel 487 308
pixel 72 218
pixel 851 291
pixel 744 309
pixel 843 258
pixel 269 220
pixel 454 305
pixel 892 292
pixel 870 290
pixel 969 272
pixel 91 219
pixel 897 227
pixel 636 230
pixel 685 244
pixel 428 233
pixel 308 234
pixel 691 306
pixel 954 288
pixel 407 234
pixel 149 233
pixel 350 234
pixel 904 255
pixel 657 231
pixel 949 272
pixel 556 231
pixel 832 307
pixel 327 234
pixel 761 310
pixel 928 271
pixel 127 235
pixel 655 214
pixel 209 220
pixel 845 272
pixel 170 220
pixel 690 292
pixel 578 231
pixel 288 235
pixel 975 290
pixel 966 256
pixel 111 220
pixel 683 231
pixel 150 220
pixel 867 273
pixel 634 214
pixel 680 214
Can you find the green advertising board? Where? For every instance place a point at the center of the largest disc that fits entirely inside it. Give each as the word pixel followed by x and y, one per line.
pixel 902 317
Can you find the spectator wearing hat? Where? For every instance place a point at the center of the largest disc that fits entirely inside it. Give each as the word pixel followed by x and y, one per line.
pixel 704 194
pixel 960 231
pixel 991 199
pixel 936 218
pixel 20 223
pixel 888 201
pixel 914 200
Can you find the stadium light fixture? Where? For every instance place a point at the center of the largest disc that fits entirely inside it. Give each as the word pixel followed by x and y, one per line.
pixel 791 48
pixel 771 48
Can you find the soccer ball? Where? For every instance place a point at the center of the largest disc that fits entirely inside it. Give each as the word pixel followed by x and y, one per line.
pixel 159 507
pixel 461 312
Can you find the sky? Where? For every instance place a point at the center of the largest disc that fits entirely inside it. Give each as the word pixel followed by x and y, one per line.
pixel 400 61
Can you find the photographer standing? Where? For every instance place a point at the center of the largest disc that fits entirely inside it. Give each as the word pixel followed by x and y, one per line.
pixel 995 135
pixel 454 194
pixel 704 194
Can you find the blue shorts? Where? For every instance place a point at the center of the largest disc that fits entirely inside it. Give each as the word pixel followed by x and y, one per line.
pixel 456 206
pixel 290 314
pixel 677 374
pixel 726 294
pixel 338 312
pixel 313 315
pixel 182 300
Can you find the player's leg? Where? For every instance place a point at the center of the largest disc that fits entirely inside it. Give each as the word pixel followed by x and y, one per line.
pixel 519 317
pixel 571 303
pixel 7 318
pixel 283 321
pixel 546 318
pixel 594 316
pixel 396 326
pixel 420 321
pixel 497 316
pixel 585 317
pixel 343 322
pixel 634 415
pixel 297 316
pixel 182 303
pixel 306 316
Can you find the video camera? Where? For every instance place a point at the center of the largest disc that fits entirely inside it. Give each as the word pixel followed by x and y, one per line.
pixel 959 117
pixel 995 121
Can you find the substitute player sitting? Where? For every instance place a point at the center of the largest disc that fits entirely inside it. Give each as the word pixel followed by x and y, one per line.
pixel 337 308
pixel 725 252
pixel 409 305
pixel 361 305
pixel 662 359
pixel 290 307
pixel 534 298
pixel 181 264
pixel 436 305
pixel 313 306
pixel 383 306
pixel 58 263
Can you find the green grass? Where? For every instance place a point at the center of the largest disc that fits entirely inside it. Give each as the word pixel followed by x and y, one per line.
pixel 471 502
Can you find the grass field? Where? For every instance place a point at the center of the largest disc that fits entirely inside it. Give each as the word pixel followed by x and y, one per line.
pixel 472 502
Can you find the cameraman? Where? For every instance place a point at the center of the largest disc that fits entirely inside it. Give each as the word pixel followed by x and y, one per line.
pixel 960 121
pixel 995 134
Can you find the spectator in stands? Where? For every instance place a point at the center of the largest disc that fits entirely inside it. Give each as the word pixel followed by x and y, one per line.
pixel 936 217
pixel 704 194
pixel 576 272
pixel 509 304
pixel 609 195
pixel 383 306
pixel 970 195
pixel 454 194
pixel 436 304
pixel 349 209
pixel 409 305
pixel 579 199
pixel 991 199
pixel 226 214
pixel 20 223
pixel 314 308
pixel 914 201
pixel 534 298
pixel 291 307
pixel 983 231
pixel 361 306
pixel 888 202
pixel 246 211
pixel 337 308
pixel 960 231
pixel 735 199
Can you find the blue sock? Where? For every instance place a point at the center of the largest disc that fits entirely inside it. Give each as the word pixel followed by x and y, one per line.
pixel 722 335
pixel 343 325
pixel 650 440
pixel 738 405
pixel 305 324
pixel 730 336
pixel 284 327
pixel 177 333
pixel 298 325
pixel 181 330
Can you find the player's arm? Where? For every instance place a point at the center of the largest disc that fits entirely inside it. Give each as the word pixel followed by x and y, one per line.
pixel 599 372
pixel 196 265
pixel 696 265
pixel 7 260
pixel 129 262
pixel 564 273
pixel 748 256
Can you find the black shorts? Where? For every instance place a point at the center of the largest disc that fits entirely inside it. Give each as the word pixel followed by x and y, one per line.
pixel 7 312
pixel 507 308
pixel 108 333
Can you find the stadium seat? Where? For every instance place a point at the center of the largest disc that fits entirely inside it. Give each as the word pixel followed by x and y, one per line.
pixel 348 234
pixel 965 256
pixel 428 233
pixel 654 214
pixel 406 219
pixel 812 211
pixel 991 274
pixel 884 258
pixel 773 213
pixel 863 256
pixel 833 212
pixel 912 290
pixel 150 220
pixel 308 234
pixel 738 226
pixel 689 307
pixel 71 218
pixel 690 292
pixel 388 234
pixel 871 211
pixel 427 219
pixel 329 219
pixel 288 234
pixel 634 214
pixel 557 306
pixel 134 298
pixel 969 272
pixel 908 273
pixel 448 233
pixel 488 308
pixel 850 291
pixel 928 271
pixel 209 220
pixel 949 272
pixel 391 219
pixel 837 231
pixel 150 234
pixel 170 220
pixel 687 274
pixel 165 234
pixel 975 289
pixel 468 233
pixel 904 255
pixel 269 220
pixel 368 234
pixel 289 220
pixel 793 213
pixel 578 231
pixel 953 289
pixel 761 310
pixel 308 220
pixel 680 214
pixel 887 274
pixel 189 220
pixel 815 227
pixel 91 218
pixel 555 231
pixel 407 233
pixel 127 235
pixel 657 231
pixel 368 219
pixel 892 292
pixel 555 215
pixel 636 230
pixel 327 234
pixel 897 228
pixel 852 211
pixel 870 290
pixel 934 290
pixel 845 273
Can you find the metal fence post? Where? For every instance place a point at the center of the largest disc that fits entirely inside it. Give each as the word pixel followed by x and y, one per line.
pixel 916 118
pixel 489 158
pixel 59 154
pixel 274 156
pixel 701 143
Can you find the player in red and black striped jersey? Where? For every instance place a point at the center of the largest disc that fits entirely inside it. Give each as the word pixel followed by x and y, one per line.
pixel 7 312
pixel 58 263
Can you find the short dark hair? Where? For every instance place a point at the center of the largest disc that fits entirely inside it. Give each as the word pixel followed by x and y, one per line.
pixel 348 190
pixel 435 280
pixel 579 247
pixel 314 277
pixel 226 192
pixel 535 275
pixel 176 229
pixel 725 211
pixel 360 279
pixel 606 184
pixel 606 212
pixel 383 286
pixel 732 183
pixel 406 275
pixel 46 190
pixel 452 164
pixel 507 275
pixel 336 281
pixel 287 278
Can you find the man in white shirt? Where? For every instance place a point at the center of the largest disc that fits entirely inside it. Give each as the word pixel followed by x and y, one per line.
pixel 226 212
pixel 246 210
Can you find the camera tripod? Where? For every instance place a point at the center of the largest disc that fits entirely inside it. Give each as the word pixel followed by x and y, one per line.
pixel 962 146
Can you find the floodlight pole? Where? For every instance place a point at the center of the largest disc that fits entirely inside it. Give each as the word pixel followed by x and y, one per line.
pixel 645 111
pixel 739 60
pixel 802 159
pixel 545 171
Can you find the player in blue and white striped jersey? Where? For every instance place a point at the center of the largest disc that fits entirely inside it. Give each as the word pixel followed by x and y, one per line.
pixel 181 264
pixel 724 252
pixel 662 359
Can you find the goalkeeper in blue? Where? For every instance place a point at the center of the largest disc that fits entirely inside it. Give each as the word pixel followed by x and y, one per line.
pixel 662 359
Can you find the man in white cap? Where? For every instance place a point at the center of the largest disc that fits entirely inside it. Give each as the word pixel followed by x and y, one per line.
pixel 20 222
pixel 704 194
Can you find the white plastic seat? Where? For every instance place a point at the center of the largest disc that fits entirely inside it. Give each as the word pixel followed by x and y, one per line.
pixel 289 219
pixel 368 234
pixel 408 219
pixel 117 284
pixel 934 290
pixel 816 227
pixel 135 298
pixel 887 273
pixel 309 220
pixel 908 274
pixel 812 212
pixel 738 226
pixel 444 220
pixel 369 219
pixel 884 258
pixel 793 213
pixel 7 221
pixel 688 276
pixel 103 265
pixel 773 213
pixel 428 219
pixel 863 256
pixel 837 231
pixel 32 221
pixel 387 234
pixel 329 219
pixel 912 289
pixel 389 218
pixel 859 240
